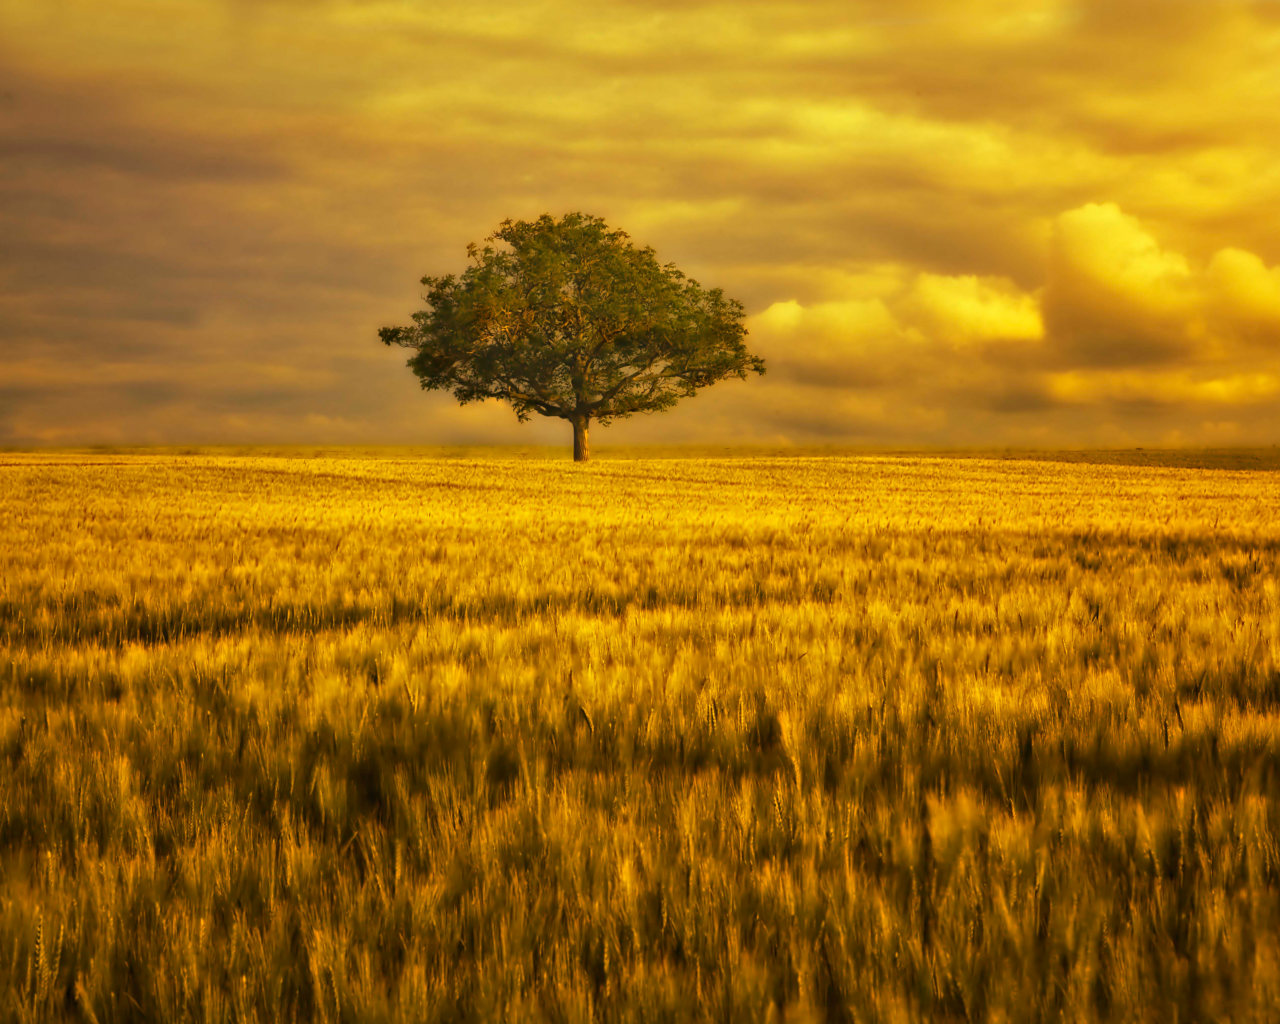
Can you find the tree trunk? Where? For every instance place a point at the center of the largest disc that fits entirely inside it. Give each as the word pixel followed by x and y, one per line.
pixel 581 450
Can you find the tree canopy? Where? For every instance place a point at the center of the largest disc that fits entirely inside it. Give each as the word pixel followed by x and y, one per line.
pixel 567 318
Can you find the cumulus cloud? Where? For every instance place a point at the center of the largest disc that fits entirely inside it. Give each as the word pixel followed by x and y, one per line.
pixel 917 332
pixel 1244 297
pixel 1114 296
pixel 965 311
pixel 1122 327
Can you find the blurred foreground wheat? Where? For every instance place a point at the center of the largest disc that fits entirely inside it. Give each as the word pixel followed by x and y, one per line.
pixel 807 739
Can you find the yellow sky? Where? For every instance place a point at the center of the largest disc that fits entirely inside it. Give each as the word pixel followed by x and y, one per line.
pixel 958 223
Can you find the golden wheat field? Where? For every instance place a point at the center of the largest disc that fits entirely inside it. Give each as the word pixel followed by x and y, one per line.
pixel 801 739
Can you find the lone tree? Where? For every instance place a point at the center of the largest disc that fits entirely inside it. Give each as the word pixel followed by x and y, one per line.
pixel 572 320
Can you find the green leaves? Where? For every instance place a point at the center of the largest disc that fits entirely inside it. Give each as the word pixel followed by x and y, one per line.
pixel 567 318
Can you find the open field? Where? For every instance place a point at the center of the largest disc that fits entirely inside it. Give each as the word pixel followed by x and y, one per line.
pixel 777 739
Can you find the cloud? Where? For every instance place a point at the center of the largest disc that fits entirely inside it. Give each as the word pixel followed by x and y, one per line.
pixel 991 220
pixel 1114 297
pixel 1163 388
pixel 1244 297
pixel 924 329
pixel 1122 328
pixel 967 310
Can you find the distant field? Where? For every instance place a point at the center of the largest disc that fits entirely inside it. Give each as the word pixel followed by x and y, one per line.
pixel 388 737
pixel 1172 458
